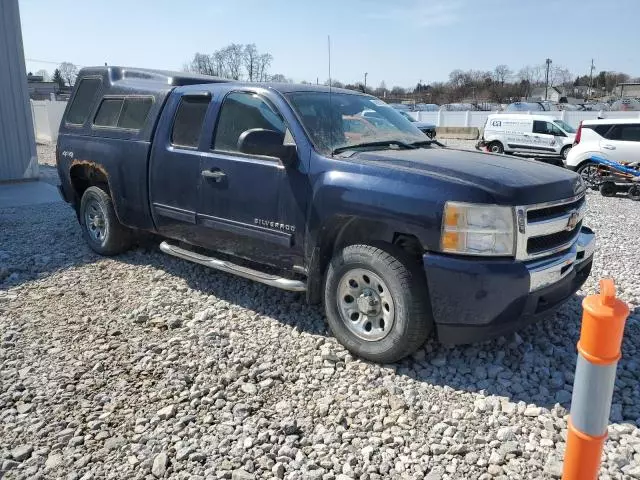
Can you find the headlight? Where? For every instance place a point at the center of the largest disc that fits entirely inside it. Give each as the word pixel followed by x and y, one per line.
pixel 471 229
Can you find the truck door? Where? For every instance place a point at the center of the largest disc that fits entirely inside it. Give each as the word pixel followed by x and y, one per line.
pixel 247 203
pixel 174 172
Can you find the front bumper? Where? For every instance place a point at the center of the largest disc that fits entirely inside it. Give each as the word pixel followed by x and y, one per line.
pixel 473 300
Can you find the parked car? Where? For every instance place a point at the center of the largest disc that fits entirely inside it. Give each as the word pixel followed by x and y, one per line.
pixel 458 107
pixel 524 107
pixel 429 129
pixel 398 236
pixel 525 133
pixel 625 105
pixel 400 106
pixel 612 139
pixel 427 107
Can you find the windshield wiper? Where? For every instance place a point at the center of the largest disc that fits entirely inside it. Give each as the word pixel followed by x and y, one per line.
pixel 382 143
pixel 426 143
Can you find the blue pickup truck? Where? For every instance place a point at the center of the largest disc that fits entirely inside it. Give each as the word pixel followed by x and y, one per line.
pixel 398 236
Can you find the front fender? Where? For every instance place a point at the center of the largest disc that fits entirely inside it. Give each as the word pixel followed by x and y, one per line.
pixel 394 204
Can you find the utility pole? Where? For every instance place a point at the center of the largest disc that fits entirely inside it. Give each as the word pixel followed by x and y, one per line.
pixel 546 82
pixel 590 79
pixel 365 82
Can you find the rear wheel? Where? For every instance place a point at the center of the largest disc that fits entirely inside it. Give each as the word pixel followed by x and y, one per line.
pixel 496 147
pixel 608 189
pixel 376 302
pixel 634 193
pixel 100 225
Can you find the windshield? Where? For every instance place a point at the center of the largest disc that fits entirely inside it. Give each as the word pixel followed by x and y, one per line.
pixel 565 126
pixel 341 120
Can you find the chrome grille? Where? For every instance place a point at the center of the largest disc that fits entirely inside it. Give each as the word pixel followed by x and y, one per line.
pixel 548 228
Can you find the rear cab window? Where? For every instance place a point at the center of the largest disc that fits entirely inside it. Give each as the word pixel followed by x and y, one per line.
pixel 123 112
pixel 187 123
pixel 83 101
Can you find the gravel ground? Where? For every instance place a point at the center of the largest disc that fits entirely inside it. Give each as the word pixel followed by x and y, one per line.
pixel 145 366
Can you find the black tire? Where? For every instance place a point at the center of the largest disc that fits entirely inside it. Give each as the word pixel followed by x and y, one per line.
pixel 634 193
pixel 590 181
pixel 495 147
pixel 403 282
pixel 565 151
pixel 608 189
pixel 97 204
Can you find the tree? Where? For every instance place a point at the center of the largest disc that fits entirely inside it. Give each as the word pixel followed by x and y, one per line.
pixel 251 57
pixel 279 78
pixel 501 74
pixel 334 83
pixel 202 63
pixel 264 62
pixel 57 78
pixel 398 91
pixel 233 57
pixel 69 72
pixel 559 76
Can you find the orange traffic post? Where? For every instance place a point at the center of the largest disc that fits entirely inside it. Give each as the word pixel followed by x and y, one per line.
pixel 603 323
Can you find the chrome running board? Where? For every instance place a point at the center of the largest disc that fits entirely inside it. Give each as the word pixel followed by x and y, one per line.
pixel 228 267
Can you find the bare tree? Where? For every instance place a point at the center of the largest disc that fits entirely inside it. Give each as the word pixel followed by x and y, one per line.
pixel 280 78
pixel 559 76
pixel 233 57
pixel 69 72
pixel 202 63
pixel 251 57
pixel 502 74
pixel 264 62
pixel 334 83
pixel 219 60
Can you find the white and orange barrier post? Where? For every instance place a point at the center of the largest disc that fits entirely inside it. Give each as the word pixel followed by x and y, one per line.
pixel 603 323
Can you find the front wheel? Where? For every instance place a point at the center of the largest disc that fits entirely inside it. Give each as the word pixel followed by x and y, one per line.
pixel 565 152
pixel 376 302
pixel 100 225
pixel 590 173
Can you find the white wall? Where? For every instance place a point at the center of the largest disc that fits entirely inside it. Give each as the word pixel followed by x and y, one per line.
pixel 47 116
pixel 478 119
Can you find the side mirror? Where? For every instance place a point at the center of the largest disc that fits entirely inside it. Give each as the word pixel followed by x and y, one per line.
pixel 261 141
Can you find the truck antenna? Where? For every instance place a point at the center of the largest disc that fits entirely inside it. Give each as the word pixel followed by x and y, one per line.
pixel 330 95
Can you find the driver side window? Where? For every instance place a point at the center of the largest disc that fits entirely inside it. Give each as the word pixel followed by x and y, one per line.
pixel 242 111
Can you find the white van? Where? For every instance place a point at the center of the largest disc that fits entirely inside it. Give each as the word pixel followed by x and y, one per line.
pixel 524 133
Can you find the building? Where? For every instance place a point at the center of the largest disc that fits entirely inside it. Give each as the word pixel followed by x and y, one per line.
pixel 553 94
pixel 628 90
pixel 39 89
pixel 18 159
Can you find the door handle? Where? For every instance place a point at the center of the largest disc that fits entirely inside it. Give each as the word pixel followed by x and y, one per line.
pixel 216 175
pixel 609 147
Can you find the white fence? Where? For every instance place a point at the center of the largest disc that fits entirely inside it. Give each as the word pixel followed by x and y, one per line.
pixel 478 119
pixel 47 115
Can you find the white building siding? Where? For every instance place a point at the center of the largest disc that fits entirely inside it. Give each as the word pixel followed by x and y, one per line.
pixel 18 159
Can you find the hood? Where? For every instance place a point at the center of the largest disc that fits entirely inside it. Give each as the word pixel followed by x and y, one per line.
pixel 509 180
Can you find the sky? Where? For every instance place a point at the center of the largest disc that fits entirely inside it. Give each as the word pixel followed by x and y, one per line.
pixel 400 42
